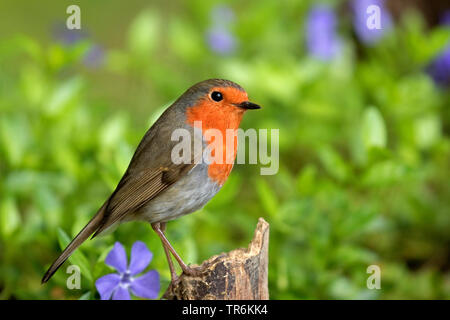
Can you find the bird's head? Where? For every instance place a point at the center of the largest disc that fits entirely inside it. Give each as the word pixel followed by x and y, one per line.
pixel 217 103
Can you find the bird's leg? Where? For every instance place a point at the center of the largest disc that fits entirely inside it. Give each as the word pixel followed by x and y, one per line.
pixel 167 246
pixel 173 273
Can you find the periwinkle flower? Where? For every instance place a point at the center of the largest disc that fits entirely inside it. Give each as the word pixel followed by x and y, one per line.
pixel 439 68
pixel 118 285
pixel 321 38
pixel 219 37
pixel 94 57
pixel 364 13
pixel 66 36
pixel 221 40
pixel 445 18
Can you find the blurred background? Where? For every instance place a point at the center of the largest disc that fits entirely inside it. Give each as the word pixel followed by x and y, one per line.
pixel 364 138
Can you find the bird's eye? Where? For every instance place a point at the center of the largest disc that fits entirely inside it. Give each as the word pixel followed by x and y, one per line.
pixel 216 96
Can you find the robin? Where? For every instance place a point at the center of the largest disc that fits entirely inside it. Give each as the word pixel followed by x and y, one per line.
pixel 156 189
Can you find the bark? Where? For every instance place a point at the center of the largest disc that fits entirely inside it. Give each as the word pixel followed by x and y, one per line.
pixel 237 275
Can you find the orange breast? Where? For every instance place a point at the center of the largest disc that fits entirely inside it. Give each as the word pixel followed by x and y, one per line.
pixel 220 117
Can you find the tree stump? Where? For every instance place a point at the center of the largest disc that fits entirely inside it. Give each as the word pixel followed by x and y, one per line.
pixel 237 275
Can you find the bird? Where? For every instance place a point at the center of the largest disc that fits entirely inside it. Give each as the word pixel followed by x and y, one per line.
pixel 155 188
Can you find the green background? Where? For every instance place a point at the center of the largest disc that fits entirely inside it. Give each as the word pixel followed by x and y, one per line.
pixel 364 145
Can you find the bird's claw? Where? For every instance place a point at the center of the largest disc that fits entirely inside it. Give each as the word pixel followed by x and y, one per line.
pixel 193 272
pixel 174 281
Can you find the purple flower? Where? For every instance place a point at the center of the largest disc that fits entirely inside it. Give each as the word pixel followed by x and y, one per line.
pixel 365 20
pixel 321 38
pixel 94 57
pixel 445 18
pixel 221 40
pixel 439 68
pixel 66 36
pixel 118 285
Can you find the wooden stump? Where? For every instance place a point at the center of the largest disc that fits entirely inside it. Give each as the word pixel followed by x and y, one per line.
pixel 237 275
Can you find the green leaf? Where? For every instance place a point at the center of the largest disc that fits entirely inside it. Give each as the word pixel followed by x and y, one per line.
pixel 427 131
pixel 9 216
pixel 373 128
pixel 77 258
pixel 86 296
pixel 112 131
pixel 267 197
pixel 64 94
pixel 334 164
pixel 33 83
pixel 14 137
pixel 227 194
pixel 143 34
pixel 307 179
pixel 384 173
pixel 185 41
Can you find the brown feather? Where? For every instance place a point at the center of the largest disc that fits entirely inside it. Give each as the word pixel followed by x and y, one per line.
pixel 75 243
pixel 135 192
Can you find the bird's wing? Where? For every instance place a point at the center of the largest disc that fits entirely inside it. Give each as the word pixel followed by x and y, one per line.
pixel 151 169
pixel 135 190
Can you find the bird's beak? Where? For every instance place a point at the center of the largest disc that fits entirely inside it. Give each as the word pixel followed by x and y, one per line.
pixel 248 105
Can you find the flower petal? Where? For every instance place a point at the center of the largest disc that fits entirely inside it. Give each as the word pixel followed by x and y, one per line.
pixel 117 258
pixel 147 285
pixel 140 258
pixel 121 293
pixel 106 285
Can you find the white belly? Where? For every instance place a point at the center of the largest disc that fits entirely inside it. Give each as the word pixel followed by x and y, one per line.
pixel 187 195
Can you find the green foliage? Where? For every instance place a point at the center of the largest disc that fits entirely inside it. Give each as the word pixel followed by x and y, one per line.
pixel 77 258
pixel 364 154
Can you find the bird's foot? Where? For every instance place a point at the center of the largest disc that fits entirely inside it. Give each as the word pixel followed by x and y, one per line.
pixel 174 278
pixel 193 271
pixel 174 282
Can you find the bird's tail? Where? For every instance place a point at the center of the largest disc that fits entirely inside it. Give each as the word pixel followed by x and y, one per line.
pixel 90 228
